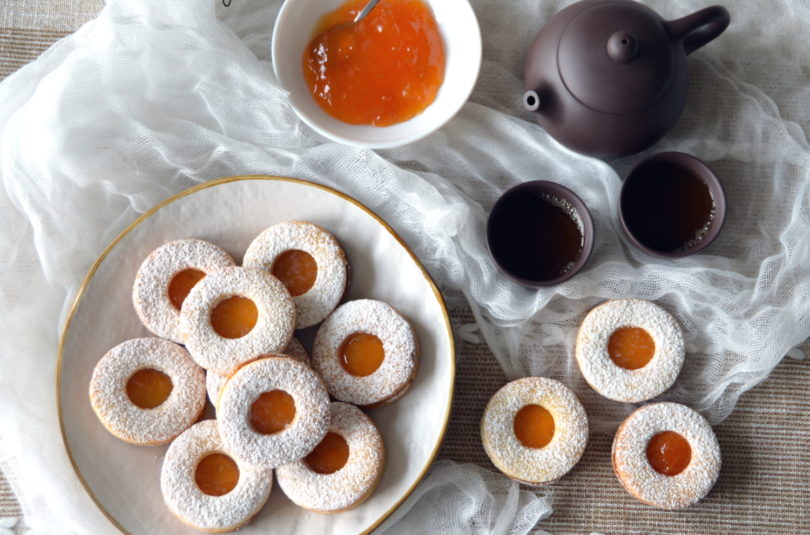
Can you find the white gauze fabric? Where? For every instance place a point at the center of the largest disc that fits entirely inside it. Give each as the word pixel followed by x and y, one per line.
pixel 155 96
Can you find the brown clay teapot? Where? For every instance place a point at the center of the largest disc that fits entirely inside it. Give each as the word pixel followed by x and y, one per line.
pixel 608 78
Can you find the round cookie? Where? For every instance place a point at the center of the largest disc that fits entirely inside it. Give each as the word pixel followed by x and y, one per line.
pixel 396 358
pixel 147 391
pixel 292 251
pixel 666 455
pixel 273 411
pixel 319 482
pixel 630 350
pixel 273 315
pixel 200 487
pixel 214 381
pixel 534 430
pixel 166 276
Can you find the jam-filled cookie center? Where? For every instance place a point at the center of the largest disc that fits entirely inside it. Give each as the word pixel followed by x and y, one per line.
pixel 181 284
pixel 631 347
pixel 272 412
pixel 234 317
pixel 217 474
pixel 330 455
pixel 148 388
pixel 534 426
pixel 361 354
pixel 669 453
pixel 297 270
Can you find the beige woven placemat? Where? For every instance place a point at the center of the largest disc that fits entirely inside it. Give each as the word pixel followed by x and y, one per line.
pixel 764 443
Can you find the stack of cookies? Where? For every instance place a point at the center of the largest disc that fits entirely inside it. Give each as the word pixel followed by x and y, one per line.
pixel 228 332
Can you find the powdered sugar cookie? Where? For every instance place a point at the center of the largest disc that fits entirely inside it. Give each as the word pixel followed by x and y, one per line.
pixel 165 278
pixel 205 487
pixel 235 314
pixel 630 350
pixel 214 381
pixel 310 263
pixel 273 411
pixel 534 430
pixel 343 470
pixel 147 391
pixel 666 455
pixel 366 352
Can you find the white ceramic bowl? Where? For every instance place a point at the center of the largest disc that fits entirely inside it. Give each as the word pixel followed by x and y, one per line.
pixel 462 42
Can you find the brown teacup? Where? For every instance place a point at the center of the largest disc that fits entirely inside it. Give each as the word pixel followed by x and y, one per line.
pixel 540 233
pixel 672 205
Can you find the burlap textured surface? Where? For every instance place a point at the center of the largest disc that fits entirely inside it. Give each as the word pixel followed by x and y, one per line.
pixel 761 488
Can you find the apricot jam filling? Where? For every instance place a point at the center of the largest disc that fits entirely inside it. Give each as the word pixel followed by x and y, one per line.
pixel 383 70
pixel 217 474
pixel 181 284
pixel 669 453
pixel 534 426
pixel 149 388
pixel 330 455
pixel 297 270
pixel 361 354
pixel 631 347
pixel 234 317
pixel 272 412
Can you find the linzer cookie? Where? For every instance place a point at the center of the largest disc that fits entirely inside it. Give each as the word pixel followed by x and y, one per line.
pixel 367 353
pixel 205 487
pixel 147 391
pixel 235 314
pixel 534 430
pixel 630 350
pixel 166 277
pixel 310 263
pixel 272 412
pixel 343 469
pixel 666 455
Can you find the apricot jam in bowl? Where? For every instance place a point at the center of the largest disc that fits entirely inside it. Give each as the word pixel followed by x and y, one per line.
pixel 391 79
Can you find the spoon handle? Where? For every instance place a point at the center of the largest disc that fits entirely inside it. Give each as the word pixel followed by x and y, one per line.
pixel 366 10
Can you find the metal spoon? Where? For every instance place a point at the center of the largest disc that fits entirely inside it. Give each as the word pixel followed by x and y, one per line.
pixel 365 11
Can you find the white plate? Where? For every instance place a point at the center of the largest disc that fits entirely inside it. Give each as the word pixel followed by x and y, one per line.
pixel 124 479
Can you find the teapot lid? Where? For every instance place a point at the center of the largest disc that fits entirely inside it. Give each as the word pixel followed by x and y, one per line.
pixel 616 57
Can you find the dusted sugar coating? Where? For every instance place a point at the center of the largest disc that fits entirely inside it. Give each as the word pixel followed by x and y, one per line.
pixel 190 504
pixel 637 475
pixel 214 381
pixel 348 486
pixel 246 385
pixel 150 294
pixel 272 332
pixel 332 278
pixel 400 363
pixel 528 465
pixel 131 423
pixel 622 384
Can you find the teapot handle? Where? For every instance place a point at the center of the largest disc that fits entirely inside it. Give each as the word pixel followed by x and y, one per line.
pixel 699 28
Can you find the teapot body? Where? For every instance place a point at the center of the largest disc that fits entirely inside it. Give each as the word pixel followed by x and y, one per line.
pixel 609 78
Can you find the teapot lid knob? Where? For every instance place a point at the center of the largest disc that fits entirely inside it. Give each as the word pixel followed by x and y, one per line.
pixel 622 47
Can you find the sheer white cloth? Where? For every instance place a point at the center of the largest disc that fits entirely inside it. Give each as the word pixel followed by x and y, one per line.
pixel 155 96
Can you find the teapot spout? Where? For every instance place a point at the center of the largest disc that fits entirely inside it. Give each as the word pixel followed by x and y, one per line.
pixel 531 100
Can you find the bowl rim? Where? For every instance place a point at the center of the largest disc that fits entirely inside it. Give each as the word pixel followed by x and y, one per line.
pixel 453 109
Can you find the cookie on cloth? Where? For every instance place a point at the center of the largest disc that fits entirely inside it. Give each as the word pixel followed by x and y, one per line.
pixel 367 353
pixel 630 350
pixel 147 391
pixel 208 489
pixel 343 469
pixel 666 455
pixel 534 430
pixel 167 276
pixel 310 263
pixel 235 314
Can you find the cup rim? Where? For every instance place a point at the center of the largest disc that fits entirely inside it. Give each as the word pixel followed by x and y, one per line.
pixel 556 190
pixel 701 170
